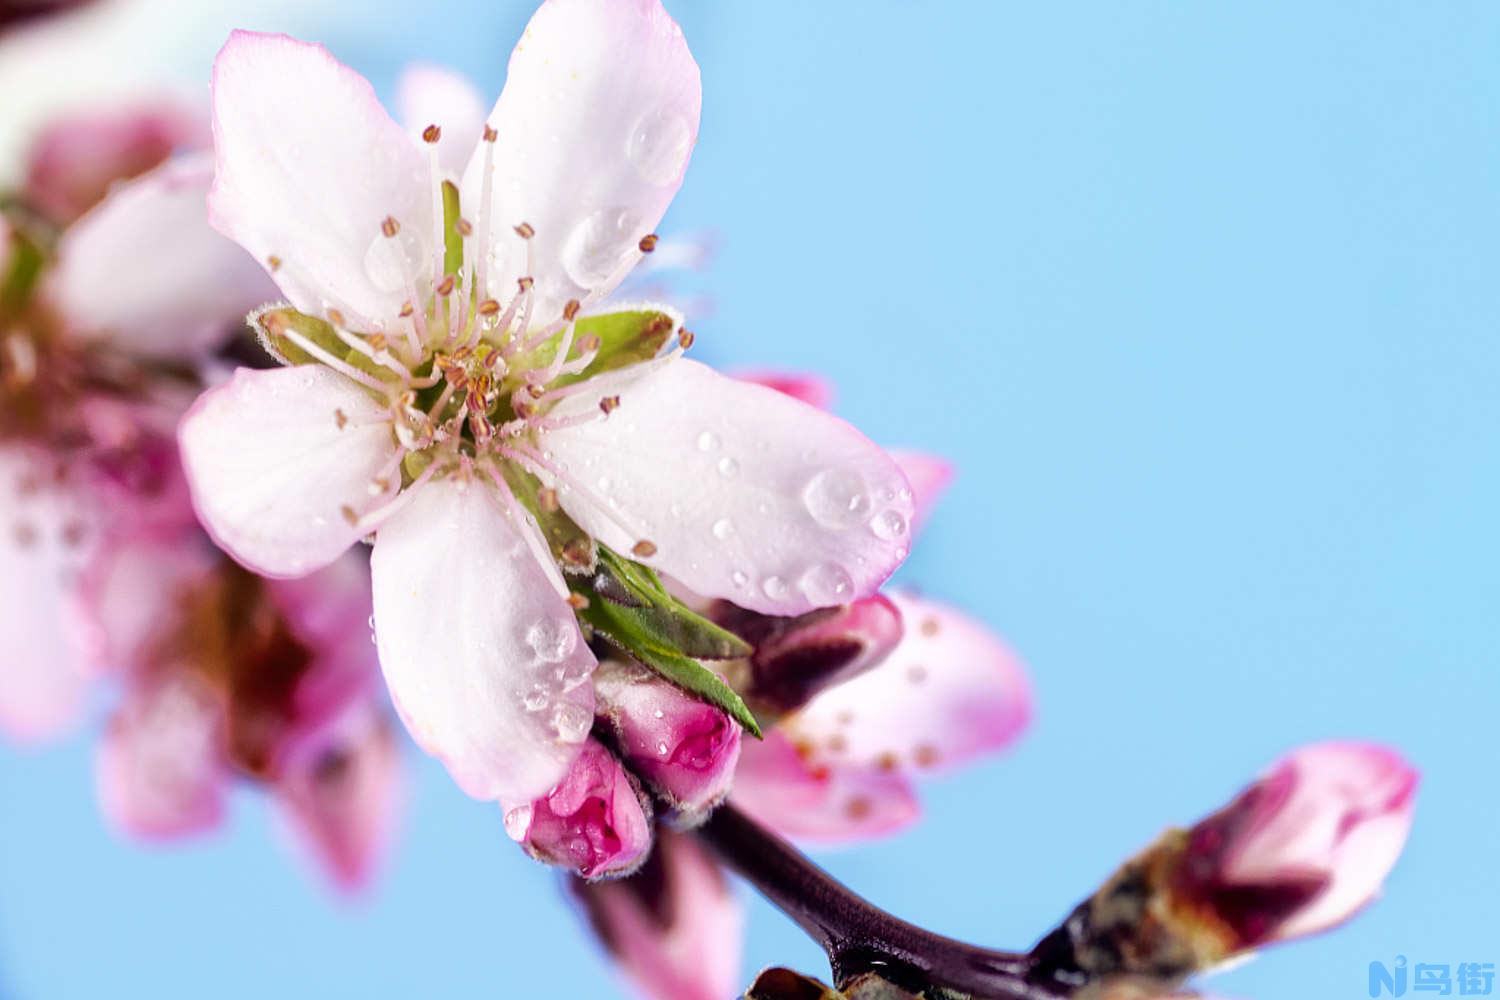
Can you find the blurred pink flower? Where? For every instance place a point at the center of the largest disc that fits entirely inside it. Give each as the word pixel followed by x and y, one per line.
pixel 596 821
pixel 673 927
pixel 1305 847
pixel 737 491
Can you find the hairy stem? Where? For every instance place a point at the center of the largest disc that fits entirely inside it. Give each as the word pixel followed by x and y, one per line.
pixel 858 936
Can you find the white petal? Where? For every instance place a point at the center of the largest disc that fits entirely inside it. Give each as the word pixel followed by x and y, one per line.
pixel 273 457
pixel 483 658
pixel 431 95
pixel 309 165
pixel 144 269
pixel 596 124
pixel 746 493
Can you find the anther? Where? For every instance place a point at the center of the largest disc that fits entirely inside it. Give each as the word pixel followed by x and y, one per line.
pixel 685 338
pixel 407 309
pixel 464 228
pixel 491 360
pixel 340 419
pixel 390 227
pixel 577 602
pixel 489 307
pixel 350 514
pixel 648 243
pixel 335 317
pixel 644 549
pixel 590 343
pixel 525 231
pixel 570 311
pixel 525 283
pixel 576 552
pixel 378 341
pixel 445 287
pixel 490 135
pixel 274 262
pixel 609 404
pixel 547 497
pixel 431 133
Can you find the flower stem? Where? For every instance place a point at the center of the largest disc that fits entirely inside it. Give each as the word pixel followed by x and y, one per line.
pixel 858 936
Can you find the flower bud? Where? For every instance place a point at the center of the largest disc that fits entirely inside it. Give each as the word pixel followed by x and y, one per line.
pixel 683 748
pixel 1301 850
pixel 796 658
pixel 595 821
pixel 673 927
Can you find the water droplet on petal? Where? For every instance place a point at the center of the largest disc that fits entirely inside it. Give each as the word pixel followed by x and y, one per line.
pixel 888 525
pixel 728 467
pixel 708 441
pixel 723 528
pixel 572 722
pixel 836 498
pixel 774 587
pixel 827 584
pixel 661 748
pixel 600 244
pixel 659 146
pixel 552 641
pixel 658 714
pixel 739 578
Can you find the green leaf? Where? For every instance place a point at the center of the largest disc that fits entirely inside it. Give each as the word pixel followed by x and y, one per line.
pixel 453 243
pixel 625 338
pixel 628 605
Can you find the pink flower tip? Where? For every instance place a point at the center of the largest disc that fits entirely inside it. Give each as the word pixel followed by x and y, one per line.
pixel 684 748
pixel 1307 846
pixel 594 822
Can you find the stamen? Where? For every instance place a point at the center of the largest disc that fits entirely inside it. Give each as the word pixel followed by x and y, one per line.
pixel 337 364
pixel 377 516
pixel 520 452
pixel 482 283
pixel 389 227
pixel 686 338
pixel 274 262
pixel 644 548
pixel 525 231
pixel 648 242
pixel 530 531
pixel 375 348
pixel 430 135
pixel 609 404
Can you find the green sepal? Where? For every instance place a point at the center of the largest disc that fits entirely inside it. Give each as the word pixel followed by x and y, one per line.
pixel 625 338
pixel 26 261
pixel 628 605
pixel 270 321
pixel 571 546
pixel 453 242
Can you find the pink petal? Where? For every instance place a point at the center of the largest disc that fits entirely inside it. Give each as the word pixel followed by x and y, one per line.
pixel 482 655
pixel 596 124
pixel 746 494
pixel 844 800
pixel 431 95
pixel 77 157
pixel 950 692
pixel 341 795
pixel 811 389
pixel 48 532
pixel 134 587
pixel 159 768
pixel 273 458
pixel 595 821
pixel 309 165
pixel 144 270
pixel 674 928
pixel 930 477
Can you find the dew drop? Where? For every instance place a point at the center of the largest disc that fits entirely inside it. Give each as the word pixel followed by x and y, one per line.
pixel 658 714
pixel 535 701
pixel 661 748
pixel 774 587
pixel 571 721
pixel 888 525
pixel 659 146
pixel 388 261
pixel 836 498
pixel 728 467
pixel 723 528
pixel 599 245
pixel 708 441
pixel 827 584
pixel 739 578
pixel 552 641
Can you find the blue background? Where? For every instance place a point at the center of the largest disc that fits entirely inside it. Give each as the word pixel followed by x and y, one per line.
pixel 1202 300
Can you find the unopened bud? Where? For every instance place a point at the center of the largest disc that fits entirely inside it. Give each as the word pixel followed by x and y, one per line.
pixel 684 748
pixel 594 822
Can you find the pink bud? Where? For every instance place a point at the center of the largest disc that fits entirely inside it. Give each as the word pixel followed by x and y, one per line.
pixel 594 822
pixel 684 748
pixel 673 927
pixel 796 658
pixel 1305 847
